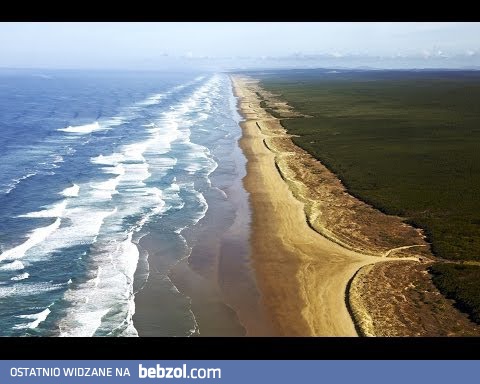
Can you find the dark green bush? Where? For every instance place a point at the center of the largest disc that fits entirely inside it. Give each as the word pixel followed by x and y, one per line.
pixel 461 283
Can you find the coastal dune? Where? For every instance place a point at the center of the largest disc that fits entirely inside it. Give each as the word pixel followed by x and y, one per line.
pixel 302 275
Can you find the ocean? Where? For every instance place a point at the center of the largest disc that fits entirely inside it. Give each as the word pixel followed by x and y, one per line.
pixel 105 185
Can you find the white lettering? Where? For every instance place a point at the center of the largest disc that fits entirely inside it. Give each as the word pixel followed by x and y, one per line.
pixel 122 372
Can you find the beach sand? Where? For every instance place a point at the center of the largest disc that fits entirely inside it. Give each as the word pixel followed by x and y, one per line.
pixel 302 275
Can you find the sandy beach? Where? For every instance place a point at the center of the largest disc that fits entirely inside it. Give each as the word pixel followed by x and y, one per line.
pixel 302 275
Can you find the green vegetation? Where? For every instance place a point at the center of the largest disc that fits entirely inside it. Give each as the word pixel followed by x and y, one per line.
pixel 460 283
pixel 406 142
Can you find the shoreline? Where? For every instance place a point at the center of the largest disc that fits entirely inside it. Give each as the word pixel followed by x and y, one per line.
pixel 385 283
pixel 208 264
pixel 303 276
pixel 285 250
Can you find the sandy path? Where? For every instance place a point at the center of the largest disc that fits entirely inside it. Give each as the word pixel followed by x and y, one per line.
pixel 302 275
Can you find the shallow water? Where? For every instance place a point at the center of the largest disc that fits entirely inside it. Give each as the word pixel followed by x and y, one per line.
pixel 107 182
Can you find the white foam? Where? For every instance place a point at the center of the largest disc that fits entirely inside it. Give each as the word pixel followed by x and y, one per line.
pixel 110 285
pixel 84 226
pixel 116 170
pixel 26 176
pixel 105 189
pixel 129 263
pixel 174 187
pixel 83 222
pixel 22 276
pixel 56 210
pixel 15 182
pixel 16 265
pixel 58 159
pixel 161 138
pixel 43 76
pixel 161 165
pixel 135 175
pixel 152 100
pixel 36 237
pixel 134 152
pixel 179 230
pixel 130 330
pixel 112 159
pixel 36 317
pixel 180 87
pixel 84 129
pixel 153 197
pixel 83 325
pixel 198 159
pixel 96 280
pixel 71 191
pixel 193 168
pixel 203 206
pixel 105 301
pixel 203 116
pixel 28 289
pixel 130 163
pixel 115 121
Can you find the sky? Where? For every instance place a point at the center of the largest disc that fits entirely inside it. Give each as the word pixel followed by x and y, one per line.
pixel 234 45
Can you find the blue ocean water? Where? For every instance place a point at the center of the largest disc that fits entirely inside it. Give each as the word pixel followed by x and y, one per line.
pixel 90 162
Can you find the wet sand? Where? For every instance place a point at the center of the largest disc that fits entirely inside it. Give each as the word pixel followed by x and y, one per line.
pixel 212 271
pixel 217 276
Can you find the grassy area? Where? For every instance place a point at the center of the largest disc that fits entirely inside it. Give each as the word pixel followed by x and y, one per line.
pixel 406 142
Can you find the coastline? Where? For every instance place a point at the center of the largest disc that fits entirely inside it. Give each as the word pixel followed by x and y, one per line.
pixel 302 275
pixel 284 250
pixel 205 267
pixel 307 225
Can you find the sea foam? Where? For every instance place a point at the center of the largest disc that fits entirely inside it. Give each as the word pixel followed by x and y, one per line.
pixel 28 289
pixel 84 129
pixel 109 287
pixel 56 210
pixel 16 265
pixel 36 317
pixel 71 191
pixel 36 237
pixel 22 276
pixel 152 100
pixel 15 182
